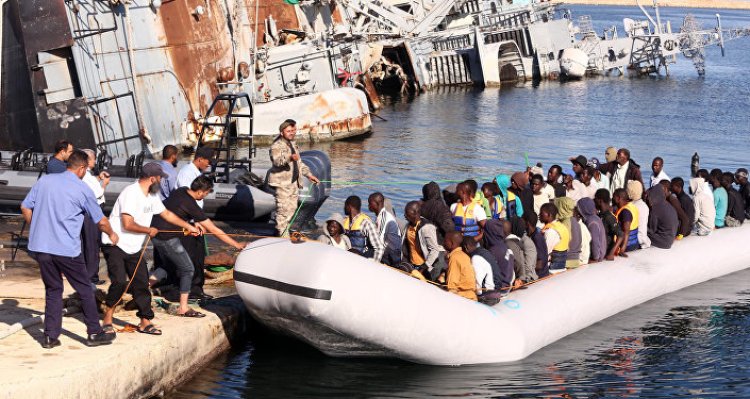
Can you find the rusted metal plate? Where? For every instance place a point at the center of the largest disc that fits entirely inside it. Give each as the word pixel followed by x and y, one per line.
pixel 199 46
pixel 283 13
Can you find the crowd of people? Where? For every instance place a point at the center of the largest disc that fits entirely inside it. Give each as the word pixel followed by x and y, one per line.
pixel 480 242
pixel 64 211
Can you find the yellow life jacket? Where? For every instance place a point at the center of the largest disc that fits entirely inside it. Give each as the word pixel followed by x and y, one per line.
pixel 560 228
pixel 465 222
pixel 353 230
pixel 633 210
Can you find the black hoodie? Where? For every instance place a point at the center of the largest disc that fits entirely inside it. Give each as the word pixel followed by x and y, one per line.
pixel 662 219
pixel 435 210
pixel 494 240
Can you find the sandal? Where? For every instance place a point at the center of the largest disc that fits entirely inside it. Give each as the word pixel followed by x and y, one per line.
pixel 191 313
pixel 150 330
pixel 108 328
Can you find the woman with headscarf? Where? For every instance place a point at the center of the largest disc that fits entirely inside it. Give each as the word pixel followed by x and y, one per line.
pixel 512 205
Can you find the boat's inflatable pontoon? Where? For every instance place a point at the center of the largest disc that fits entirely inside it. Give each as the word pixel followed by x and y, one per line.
pixel 346 305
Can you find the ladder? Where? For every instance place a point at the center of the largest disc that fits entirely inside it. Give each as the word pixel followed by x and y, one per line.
pixel 225 152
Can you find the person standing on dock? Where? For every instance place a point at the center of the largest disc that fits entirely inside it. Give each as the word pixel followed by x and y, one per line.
pixel 131 217
pixel 55 207
pixel 90 234
pixel 285 175
pixel 57 164
pixel 168 164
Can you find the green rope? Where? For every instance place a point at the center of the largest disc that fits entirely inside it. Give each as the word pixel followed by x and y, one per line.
pixel 294 217
pixel 391 183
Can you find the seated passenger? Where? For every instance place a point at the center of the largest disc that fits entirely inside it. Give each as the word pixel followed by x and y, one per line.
pixel 524 252
pixel 721 198
pixel 565 206
pixel 703 204
pixel 556 236
pixel 736 208
pixel 512 206
pixel 333 234
pixel 479 196
pixel 495 201
pixel 634 190
pixel 460 277
pixel 612 229
pixel 627 218
pixel 683 223
pixel 435 210
pixel 574 189
pixel 589 184
pixel 542 256
pixel 740 177
pixel 388 229
pixel 686 203
pixel 598 248
pixel 482 261
pixel 662 219
pixel 468 216
pixel 519 185
pixel 360 229
pixel 494 241
pixel 554 179
pixel 420 246
pixel 543 192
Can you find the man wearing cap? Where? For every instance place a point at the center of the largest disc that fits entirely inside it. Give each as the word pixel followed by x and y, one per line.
pixel 285 175
pixel 740 177
pixel 130 218
pixel 54 208
pixel 579 164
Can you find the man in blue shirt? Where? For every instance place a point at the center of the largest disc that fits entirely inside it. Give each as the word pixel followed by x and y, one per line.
pixel 56 164
pixel 54 208
pixel 168 163
pixel 721 197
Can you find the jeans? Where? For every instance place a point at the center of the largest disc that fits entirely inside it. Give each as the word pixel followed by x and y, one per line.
pixel 171 250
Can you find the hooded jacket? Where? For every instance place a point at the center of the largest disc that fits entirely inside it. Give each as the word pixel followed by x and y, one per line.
pixel 587 209
pixel 524 256
pixel 703 203
pixel 662 219
pixel 503 182
pixel 494 239
pixel 565 207
pixel 428 243
pixel 434 209
pixel 685 225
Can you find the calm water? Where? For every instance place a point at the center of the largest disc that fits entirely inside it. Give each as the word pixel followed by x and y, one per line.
pixel 693 343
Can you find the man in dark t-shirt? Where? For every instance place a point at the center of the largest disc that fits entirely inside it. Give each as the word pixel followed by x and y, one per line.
pixel 170 244
pixel 612 229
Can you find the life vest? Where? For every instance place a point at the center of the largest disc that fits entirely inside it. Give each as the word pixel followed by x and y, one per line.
pixel 465 222
pixel 353 230
pixel 497 209
pixel 564 243
pixel 511 206
pixel 633 236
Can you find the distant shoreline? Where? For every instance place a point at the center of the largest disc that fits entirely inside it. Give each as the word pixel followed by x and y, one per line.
pixel 715 4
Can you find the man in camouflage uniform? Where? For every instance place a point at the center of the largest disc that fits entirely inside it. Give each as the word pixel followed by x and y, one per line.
pixel 285 175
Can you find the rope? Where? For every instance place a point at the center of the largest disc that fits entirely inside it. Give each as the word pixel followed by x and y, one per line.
pixel 394 183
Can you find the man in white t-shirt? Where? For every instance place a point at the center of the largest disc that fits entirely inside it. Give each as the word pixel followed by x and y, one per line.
pixel 468 216
pixel 543 193
pixel 130 219
pixel 189 172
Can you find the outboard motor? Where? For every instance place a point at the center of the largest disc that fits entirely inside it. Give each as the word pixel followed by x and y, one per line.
pixel 314 195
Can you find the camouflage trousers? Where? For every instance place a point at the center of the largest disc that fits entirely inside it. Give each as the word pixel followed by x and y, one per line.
pixel 286 204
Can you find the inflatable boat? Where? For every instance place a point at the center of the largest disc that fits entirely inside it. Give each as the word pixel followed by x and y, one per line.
pixel 244 199
pixel 348 306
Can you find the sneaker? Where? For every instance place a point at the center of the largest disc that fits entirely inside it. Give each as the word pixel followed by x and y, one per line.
pixel 101 338
pixel 49 343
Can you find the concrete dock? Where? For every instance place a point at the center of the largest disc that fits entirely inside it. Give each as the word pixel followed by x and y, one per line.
pixel 134 366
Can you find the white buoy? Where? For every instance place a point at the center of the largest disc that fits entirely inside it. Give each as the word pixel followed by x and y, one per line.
pixel 574 62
